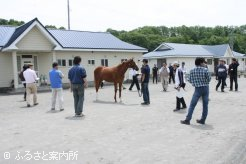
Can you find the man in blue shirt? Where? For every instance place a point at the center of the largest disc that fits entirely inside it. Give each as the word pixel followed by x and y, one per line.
pixel 77 77
pixel 145 70
pixel 56 86
pixel 199 77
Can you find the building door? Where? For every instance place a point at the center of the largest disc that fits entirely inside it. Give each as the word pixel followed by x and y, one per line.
pixel 160 62
pixel 26 59
pixel 216 63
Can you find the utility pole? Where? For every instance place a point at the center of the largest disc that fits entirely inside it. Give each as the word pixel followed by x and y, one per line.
pixel 68 14
pixel 231 38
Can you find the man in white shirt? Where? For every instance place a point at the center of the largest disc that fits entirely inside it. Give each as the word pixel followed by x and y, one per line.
pixel 134 80
pixel 31 87
pixel 164 73
pixel 179 86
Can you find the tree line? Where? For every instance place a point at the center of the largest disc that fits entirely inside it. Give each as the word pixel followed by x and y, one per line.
pixel 151 37
pixel 12 22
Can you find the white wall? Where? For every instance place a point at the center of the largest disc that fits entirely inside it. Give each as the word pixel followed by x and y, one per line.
pixel 242 62
pixel 6 69
pixel 114 58
pixel 34 40
pixel 189 62
pixel 44 64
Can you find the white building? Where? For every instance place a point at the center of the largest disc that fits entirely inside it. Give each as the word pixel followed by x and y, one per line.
pixel 33 43
pixel 175 52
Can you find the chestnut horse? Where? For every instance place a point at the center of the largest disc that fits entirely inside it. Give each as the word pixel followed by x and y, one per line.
pixel 113 74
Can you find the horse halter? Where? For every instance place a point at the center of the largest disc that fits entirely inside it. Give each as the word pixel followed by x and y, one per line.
pixel 133 65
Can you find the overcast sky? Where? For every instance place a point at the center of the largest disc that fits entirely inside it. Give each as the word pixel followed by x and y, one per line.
pixel 98 15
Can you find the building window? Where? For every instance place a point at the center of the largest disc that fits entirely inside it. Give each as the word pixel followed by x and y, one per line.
pixel 18 63
pixel 70 62
pixel 91 62
pixel 209 61
pixel 104 62
pixel 61 62
pixel 35 59
pixel 122 60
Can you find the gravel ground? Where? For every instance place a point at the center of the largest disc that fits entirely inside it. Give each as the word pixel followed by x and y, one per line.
pixel 125 133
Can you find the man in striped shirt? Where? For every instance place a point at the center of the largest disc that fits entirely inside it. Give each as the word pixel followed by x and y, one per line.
pixel 199 78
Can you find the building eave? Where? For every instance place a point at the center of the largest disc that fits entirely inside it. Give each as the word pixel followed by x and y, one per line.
pixel 101 50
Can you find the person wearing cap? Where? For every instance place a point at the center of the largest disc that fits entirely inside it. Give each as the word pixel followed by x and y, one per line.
pixel 200 78
pixel 145 70
pixel 221 73
pixel 31 87
pixel 56 86
pixel 164 73
pixel 232 71
pixel 179 86
pixel 23 81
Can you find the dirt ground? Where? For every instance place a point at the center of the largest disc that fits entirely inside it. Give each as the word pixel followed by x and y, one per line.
pixel 125 133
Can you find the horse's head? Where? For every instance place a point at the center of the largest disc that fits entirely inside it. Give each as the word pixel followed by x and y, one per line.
pixel 132 64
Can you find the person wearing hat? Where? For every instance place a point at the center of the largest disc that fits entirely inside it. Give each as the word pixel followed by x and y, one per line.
pixel 145 70
pixel 31 87
pixel 179 86
pixel 221 73
pixel 23 81
pixel 232 71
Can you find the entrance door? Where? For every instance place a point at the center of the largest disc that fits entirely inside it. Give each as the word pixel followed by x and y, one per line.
pixel 216 62
pixel 26 59
pixel 160 62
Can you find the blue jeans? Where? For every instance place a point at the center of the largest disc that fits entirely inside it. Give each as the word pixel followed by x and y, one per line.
pixel 199 92
pixel 145 88
pixel 78 95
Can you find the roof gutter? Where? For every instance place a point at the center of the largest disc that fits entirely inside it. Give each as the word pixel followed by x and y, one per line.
pixel 101 50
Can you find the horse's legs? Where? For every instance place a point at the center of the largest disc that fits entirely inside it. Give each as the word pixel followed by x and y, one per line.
pixel 97 87
pixel 115 91
pixel 120 88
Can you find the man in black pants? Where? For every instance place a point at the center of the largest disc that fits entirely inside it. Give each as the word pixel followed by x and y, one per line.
pixel 232 71
pixel 134 80
pixel 171 74
pixel 155 74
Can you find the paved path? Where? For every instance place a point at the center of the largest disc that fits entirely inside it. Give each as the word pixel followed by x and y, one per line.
pixel 126 133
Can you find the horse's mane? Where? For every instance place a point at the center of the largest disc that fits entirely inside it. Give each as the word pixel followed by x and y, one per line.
pixel 124 62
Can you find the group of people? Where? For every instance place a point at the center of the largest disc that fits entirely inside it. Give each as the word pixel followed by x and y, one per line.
pixel 171 73
pixel 78 82
pixel 199 77
pixel 223 70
